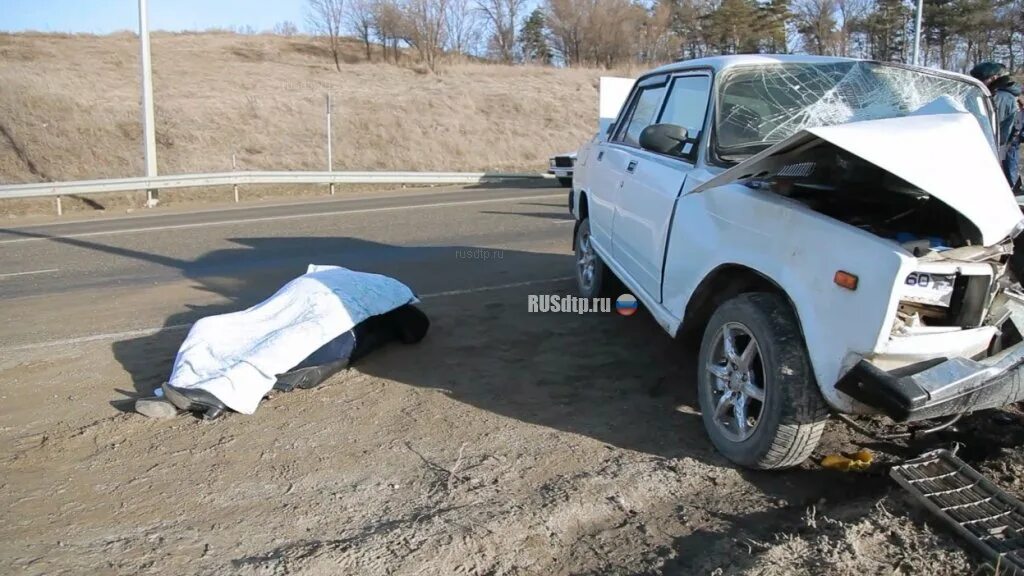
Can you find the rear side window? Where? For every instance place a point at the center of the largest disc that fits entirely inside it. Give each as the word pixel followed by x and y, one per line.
pixel 645 110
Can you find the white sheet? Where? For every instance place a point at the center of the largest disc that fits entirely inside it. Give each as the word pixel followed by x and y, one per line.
pixel 237 356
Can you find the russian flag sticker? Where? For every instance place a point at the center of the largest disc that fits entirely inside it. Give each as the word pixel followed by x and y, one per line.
pixel 626 305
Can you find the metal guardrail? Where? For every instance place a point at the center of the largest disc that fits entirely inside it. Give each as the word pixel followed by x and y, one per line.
pixel 43 189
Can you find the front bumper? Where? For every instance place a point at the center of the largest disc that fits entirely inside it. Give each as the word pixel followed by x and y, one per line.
pixel 561 172
pixel 939 387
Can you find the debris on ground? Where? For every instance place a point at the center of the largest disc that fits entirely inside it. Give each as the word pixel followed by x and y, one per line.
pixel 858 461
pixel 972 506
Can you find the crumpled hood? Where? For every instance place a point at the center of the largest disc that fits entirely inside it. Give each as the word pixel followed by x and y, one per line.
pixel 945 154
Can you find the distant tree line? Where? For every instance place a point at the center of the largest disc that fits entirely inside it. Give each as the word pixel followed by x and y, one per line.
pixel 613 33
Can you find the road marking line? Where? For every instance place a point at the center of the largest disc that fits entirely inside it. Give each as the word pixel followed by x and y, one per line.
pixel 564 221
pixel 11 274
pixel 273 218
pixel 177 327
pixel 490 288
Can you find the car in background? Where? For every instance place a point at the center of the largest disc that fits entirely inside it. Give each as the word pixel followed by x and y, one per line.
pixel 562 166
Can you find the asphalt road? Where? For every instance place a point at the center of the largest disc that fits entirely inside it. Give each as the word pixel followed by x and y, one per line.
pixel 78 280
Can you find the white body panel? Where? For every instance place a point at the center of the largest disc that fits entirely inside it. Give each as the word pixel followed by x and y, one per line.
pixel 643 214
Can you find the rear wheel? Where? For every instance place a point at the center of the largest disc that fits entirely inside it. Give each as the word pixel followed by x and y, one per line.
pixel 758 396
pixel 593 278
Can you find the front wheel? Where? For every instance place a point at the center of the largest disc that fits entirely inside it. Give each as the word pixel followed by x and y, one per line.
pixel 758 396
pixel 566 182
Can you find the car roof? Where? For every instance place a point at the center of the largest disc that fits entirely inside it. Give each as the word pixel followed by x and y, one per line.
pixel 718 63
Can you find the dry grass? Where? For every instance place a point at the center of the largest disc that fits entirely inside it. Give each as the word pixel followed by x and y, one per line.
pixel 69 108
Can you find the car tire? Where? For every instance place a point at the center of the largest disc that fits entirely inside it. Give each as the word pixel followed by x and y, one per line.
pixel 782 427
pixel 593 278
pixel 565 182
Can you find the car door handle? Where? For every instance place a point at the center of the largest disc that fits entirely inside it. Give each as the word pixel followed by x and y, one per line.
pixel 631 167
pixel 600 155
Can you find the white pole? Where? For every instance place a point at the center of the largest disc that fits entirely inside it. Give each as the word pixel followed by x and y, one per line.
pixel 148 130
pixel 234 167
pixel 330 156
pixel 917 34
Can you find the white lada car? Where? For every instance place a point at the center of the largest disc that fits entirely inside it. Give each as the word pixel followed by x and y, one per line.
pixel 839 232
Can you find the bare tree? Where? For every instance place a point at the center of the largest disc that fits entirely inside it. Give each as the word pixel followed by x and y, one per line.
pixel 325 19
pixel 607 32
pixel 503 18
pixel 816 21
pixel 360 21
pixel 852 14
pixel 424 29
pixel 387 22
pixel 462 23
pixel 286 28
pixel 566 20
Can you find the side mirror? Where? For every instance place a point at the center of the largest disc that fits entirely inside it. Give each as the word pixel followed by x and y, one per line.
pixel 608 132
pixel 664 139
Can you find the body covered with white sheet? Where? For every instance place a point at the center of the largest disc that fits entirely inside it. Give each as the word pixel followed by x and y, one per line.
pixel 237 356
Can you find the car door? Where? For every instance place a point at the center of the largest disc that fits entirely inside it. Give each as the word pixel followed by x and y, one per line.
pixel 652 181
pixel 607 163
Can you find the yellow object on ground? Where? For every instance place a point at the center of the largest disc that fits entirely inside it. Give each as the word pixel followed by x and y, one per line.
pixel 858 461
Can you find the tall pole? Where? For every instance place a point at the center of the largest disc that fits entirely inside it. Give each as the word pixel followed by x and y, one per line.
pixel 917 34
pixel 148 129
pixel 330 156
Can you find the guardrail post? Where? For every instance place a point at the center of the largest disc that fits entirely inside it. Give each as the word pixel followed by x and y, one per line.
pixel 235 187
pixel 60 209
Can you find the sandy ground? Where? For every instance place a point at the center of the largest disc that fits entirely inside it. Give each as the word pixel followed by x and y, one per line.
pixel 505 443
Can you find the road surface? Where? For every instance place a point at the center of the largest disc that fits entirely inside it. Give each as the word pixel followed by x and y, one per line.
pixel 81 279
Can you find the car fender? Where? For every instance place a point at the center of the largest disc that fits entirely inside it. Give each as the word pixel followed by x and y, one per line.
pixel 799 251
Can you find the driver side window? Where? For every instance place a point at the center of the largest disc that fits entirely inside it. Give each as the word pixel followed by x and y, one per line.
pixel 688 103
pixel 646 106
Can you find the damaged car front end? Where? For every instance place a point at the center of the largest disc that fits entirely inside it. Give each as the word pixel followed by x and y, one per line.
pixel 909 158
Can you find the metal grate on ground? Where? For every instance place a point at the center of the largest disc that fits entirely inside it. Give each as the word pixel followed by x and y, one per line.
pixel 975 508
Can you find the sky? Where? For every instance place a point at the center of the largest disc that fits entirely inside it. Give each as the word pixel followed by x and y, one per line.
pixel 105 16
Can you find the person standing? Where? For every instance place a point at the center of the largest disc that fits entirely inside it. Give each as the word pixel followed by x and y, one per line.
pixel 1005 92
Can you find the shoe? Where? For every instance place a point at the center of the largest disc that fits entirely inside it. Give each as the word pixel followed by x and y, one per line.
pixel 309 377
pixel 156 407
pixel 195 400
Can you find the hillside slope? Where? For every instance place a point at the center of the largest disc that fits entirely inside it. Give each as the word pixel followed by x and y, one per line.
pixel 69 108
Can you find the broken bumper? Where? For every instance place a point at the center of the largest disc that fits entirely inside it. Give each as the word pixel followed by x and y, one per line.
pixel 939 387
